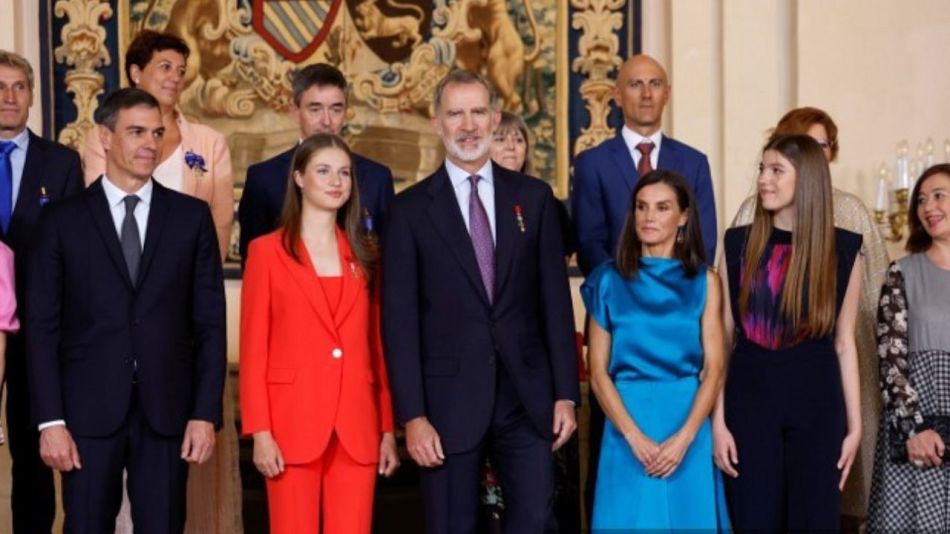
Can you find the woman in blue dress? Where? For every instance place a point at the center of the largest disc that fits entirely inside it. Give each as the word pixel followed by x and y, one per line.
pixel 657 363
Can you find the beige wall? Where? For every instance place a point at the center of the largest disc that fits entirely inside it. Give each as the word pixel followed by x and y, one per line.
pixel 19 32
pixel 737 65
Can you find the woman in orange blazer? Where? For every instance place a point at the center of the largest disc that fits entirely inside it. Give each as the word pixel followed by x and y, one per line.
pixel 314 390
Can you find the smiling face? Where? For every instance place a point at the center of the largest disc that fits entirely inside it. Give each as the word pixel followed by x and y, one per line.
pixel 776 182
pixel 133 147
pixel 327 180
pixel 163 77
pixel 465 121
pixel 658 215
pixel 933 206
pixel 16 98
pixel 509 149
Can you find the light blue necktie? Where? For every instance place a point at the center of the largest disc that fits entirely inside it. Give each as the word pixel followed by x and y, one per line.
pixel 6 184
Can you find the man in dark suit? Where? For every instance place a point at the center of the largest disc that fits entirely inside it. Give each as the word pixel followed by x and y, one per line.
pixel 604 177
pixel 33 173
pixel 319 107
pixel 477 322
pixel 126 342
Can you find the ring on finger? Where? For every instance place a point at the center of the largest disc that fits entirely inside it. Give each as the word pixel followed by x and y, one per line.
pixel 918 463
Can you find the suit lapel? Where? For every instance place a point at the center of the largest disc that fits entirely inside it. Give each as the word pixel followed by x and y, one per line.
pixel 157 218
pixel 506 230
pixel 447 220
pixel 352 276
pixel 102 215
pixel 624 161
pixel 306 278
pixel 189 182
pixel 29 196
pixel 667 154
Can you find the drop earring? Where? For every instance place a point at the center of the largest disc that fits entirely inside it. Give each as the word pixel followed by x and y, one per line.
pixel 681 234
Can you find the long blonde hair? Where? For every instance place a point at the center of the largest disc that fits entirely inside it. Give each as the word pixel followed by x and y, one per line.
pixel 813 265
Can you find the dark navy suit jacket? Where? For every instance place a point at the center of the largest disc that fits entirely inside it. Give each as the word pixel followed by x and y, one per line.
pixel 90 330
pixel 266 186
pixel 604 178
pixel 55 170
pixel 444 339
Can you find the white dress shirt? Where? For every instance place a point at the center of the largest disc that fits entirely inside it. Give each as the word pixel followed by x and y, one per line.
pixel 632 139
pixel 463 189
pixel 168 172
pixel 115 197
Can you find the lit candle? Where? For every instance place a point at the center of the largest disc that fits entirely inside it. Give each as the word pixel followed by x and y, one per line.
pixel 946 151
pixel 880 203
pixel 902 170
pixel 929 158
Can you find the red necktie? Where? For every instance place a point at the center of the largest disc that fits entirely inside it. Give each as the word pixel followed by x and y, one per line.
pixel 645 167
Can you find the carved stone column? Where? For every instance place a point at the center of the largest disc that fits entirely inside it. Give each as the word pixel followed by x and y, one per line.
pixel 598 49
pixel 83 49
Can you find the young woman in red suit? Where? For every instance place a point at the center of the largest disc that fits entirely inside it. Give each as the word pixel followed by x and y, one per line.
pixel 314 390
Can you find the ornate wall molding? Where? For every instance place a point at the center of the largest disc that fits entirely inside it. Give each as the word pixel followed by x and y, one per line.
pixel 84 50
pixel 597 48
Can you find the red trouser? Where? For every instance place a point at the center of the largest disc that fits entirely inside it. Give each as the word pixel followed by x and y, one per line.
pixel 333 488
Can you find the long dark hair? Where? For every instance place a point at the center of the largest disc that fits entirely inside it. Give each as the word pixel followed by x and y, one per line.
pixel 689 251
pixel 347 217
pixel 812 267
pixel 919 240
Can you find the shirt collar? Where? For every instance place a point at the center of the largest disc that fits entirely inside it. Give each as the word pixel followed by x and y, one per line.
pixel 632 138
pixel 457 175
pixel 21 140
pixel 115 196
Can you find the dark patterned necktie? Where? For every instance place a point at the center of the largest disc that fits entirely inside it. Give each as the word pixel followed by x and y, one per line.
pixel 645 167
pixel 480 230
pixel 129 236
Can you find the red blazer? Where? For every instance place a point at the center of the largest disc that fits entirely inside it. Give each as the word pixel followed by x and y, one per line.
pixel 305 372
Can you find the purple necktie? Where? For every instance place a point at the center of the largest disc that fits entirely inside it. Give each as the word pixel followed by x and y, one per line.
pixel 480 231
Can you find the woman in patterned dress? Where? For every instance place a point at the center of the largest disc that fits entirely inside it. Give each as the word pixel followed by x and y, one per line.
pixel 910 489
pixel 850 214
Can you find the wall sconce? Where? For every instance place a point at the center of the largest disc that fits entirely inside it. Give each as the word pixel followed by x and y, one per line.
pixel 891 215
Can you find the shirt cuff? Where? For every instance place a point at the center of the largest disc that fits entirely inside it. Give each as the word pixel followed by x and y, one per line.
pixel 58 422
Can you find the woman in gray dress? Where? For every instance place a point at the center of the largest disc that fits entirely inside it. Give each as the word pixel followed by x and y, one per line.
pixel 910 489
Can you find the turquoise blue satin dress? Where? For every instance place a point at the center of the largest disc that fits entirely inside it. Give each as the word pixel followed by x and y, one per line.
pixel 656 356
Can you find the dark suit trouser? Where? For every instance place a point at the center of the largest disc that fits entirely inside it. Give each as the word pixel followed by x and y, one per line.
pixel 522 459
pixel 595 435
pixel 32 496
pixel 157 478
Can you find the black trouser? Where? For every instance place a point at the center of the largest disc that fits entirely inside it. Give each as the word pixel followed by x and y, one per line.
pixel 157 478
pixel 786 411
pixel 522 459
pixel 32 495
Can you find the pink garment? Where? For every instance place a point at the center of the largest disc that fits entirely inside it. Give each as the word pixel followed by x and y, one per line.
pixel 8 319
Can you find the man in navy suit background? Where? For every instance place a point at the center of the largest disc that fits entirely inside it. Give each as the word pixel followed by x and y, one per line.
pixel 126 332
pixel 35 173
pixel 477 322
pixel 320 93
pixel 604 177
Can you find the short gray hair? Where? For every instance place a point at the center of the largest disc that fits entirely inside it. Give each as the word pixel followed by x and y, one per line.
pixel 16 61
pixel 463 77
